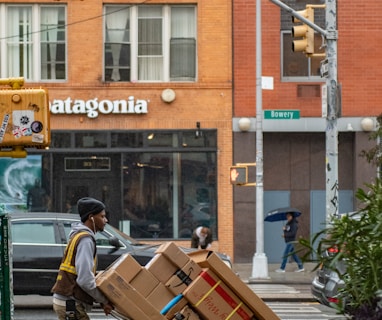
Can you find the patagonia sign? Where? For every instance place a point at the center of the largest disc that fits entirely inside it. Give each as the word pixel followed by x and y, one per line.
pixel 92 108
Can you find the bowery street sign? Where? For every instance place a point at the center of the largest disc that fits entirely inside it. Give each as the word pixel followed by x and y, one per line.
pixel 282 114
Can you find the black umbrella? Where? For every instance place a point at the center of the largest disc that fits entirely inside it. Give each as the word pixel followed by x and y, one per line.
pixel 280 214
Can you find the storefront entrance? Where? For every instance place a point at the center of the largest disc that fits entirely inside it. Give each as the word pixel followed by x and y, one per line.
pixel 81 176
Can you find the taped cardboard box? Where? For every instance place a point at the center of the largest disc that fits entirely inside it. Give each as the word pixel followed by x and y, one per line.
pixel 126 299
pixel 176 308
pixel 183 277
pixel 160 296
pixel 187 313
pixel 209 259
pixel 213 299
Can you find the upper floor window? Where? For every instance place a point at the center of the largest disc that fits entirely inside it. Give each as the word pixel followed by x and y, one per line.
pixel 296 66
pixel 150 43
pixel 33 42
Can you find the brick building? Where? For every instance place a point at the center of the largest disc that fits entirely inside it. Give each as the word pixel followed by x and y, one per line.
pixel 144 117
pixel 141 110
pixel 294 150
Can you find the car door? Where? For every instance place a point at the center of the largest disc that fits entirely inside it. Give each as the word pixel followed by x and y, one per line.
pixel 37 253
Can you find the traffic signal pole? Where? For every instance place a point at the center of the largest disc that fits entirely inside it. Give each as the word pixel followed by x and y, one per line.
pixel 331 133
pixel 332 187
pixel 260 260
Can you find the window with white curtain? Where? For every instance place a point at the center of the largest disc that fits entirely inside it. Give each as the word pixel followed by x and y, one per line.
pixel 150 43
pixel 33 42
pixel 53 45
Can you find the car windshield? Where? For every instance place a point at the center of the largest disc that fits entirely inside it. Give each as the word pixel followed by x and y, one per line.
pixel 117 232
pixel 103 237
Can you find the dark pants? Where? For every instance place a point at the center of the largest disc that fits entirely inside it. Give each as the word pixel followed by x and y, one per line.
pixel 61 312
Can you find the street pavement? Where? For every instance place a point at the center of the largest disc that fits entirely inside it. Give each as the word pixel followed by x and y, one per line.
pixel 288 286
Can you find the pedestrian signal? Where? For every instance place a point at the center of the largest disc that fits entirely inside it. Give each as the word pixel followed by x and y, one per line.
pixel 238 175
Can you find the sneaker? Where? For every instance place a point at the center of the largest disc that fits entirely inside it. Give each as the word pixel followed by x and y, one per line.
pixel 280 270
pixel 300 270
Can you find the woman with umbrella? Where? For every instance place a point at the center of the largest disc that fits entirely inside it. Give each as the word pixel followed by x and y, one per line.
pixel 290 231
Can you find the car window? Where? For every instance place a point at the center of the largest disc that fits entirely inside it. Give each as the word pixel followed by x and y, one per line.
pixel 33 232
pixel 67 228
pixel 102 238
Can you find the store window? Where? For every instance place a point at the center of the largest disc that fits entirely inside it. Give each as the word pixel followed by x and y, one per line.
pixel 150 43
pixel 155 183
pixel 168 195
pixel 33 42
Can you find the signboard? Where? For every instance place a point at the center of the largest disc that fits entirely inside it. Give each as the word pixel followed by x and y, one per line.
pixel 87 164
pixel 324 68
pixel 282 114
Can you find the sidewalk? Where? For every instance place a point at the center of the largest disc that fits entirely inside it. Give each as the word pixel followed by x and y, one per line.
pixel 244 271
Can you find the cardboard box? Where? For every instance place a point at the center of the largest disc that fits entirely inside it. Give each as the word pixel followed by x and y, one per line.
pixel 126 266
pixel 187 314
pixel 171 251
pixel 126 299
pixel 161 267
pixel 213 299
pixel 176 308
pixel 209 259
pixel 160 296
pixel 183 277
pixel 144 282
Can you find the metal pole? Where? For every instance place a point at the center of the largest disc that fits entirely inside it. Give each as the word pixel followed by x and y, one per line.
pixel 332 201
pixel 6 292
pixel 260 261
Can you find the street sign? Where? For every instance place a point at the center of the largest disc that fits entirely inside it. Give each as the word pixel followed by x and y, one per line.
pixel 324 68
pixel 282 114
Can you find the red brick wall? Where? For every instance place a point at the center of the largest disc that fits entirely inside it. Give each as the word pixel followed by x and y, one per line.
pixel 359 61
pixel 208 101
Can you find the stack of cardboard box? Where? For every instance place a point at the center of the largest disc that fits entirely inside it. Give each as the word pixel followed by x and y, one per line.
pixel 175 286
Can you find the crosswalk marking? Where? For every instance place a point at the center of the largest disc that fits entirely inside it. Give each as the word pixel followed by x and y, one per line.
pixel 284 310
pixel 266 288
pixel 300 311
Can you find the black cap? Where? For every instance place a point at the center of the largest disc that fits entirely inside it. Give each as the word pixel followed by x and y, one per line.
pixel 87 206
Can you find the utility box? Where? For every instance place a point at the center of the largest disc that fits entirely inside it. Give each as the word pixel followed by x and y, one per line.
pixel 24 118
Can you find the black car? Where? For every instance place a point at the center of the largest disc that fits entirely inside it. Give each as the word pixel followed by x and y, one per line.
pixel 39 241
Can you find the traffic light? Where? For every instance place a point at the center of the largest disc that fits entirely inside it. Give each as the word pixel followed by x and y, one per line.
pixel 239 175
pixel 24 118
pixel 304 32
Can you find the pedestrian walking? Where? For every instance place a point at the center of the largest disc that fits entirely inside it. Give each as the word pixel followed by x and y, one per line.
pixel 290 231
pixel 75 289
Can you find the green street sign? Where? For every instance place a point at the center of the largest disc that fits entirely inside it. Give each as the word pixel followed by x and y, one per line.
pixel 282 114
